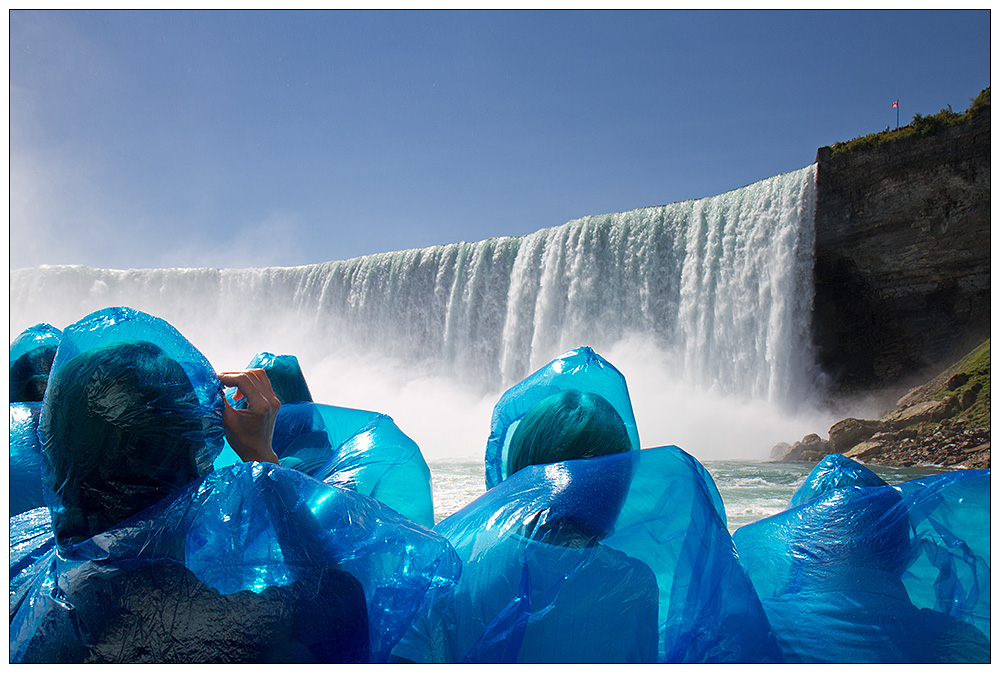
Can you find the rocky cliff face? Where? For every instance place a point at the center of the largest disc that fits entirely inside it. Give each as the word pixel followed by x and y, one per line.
pixel 902 256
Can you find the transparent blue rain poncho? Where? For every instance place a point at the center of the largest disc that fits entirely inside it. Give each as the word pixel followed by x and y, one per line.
pixel 25 457
pixel 618 558
pixel 287 381
pixel 149 556
pixel 285 375
pixel 878 574
pixel 834 471
pixel 581 369
pixel 614 555
pixel 363 451
pixel 31 357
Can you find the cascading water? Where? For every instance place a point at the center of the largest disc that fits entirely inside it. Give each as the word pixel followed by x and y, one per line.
pixel 704 305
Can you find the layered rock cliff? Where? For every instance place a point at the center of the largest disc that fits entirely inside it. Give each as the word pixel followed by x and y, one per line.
pixel 902 279
pixel 902 256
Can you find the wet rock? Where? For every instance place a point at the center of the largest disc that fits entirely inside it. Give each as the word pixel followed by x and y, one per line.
pixel 847 433
pixel 929 411
pixel 811 448
pixel 780 450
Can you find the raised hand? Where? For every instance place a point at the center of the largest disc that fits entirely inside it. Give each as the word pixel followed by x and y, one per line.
pixel 249 430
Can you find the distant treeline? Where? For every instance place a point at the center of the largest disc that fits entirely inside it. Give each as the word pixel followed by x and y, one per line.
pixel 920 126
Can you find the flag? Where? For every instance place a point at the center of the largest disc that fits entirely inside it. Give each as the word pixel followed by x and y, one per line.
pixel 895 103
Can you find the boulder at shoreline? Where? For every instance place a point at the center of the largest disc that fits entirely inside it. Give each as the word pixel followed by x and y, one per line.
pixel 945 422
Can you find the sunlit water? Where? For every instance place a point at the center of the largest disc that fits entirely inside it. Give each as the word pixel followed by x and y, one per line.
pixel 750 490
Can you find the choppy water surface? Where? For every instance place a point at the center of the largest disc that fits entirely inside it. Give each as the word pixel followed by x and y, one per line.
pixel 750 490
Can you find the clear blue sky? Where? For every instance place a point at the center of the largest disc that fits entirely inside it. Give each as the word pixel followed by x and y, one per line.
pixel 236 139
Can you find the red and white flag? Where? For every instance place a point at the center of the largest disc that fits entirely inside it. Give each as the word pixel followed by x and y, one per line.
pixel 895 103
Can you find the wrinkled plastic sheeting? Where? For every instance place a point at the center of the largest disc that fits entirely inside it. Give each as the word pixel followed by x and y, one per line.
pixel 31 356
pixel 25 458
pixel 32 546
pixel 878 574
pixel 285 375
pixel 41 334
pixel 834 471
pixel 242 530
pixel 88 383
pixel 624 557
pixel 360 450
pixel 580 369
pixel 950 530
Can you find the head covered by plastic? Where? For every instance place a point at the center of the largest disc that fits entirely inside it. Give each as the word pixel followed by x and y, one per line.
pixel 851 529
pixel 285 375
pixel 133 413
pixel 851 536
pixel 834 471
pixel 581 370
pixel 565 426
pixel 31 357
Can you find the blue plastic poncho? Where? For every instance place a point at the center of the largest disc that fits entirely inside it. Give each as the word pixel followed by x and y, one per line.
pixel 32 546
pixel 949 569
pixel 852 575
pixel 618 558
pixel 581 369
pixel 25 457
pixel 361 450
pixel 834 471
pixel 285 375
pixel 155 561
pixel 31 357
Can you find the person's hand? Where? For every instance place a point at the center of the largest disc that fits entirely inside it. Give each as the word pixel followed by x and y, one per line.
pixel 249 430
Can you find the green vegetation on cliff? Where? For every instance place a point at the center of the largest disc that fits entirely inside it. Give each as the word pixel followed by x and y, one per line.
pixel 920 126
pixel 970 389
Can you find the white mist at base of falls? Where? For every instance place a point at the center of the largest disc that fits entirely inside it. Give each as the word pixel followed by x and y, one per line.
pixel 703 305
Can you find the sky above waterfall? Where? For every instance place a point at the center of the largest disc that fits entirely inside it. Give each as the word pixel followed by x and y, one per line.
pixel 249 139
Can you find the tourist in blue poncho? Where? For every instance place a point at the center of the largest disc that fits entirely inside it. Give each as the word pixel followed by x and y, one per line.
pixel 841 574
pixel 153 561
pixel 31 356
pixel 363 451
pixel 587 550
pixel 285 375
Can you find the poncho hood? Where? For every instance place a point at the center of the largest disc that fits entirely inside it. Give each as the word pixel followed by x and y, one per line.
pixel 133 412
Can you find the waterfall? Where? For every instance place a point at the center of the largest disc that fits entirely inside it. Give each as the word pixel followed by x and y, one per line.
pixel 710 296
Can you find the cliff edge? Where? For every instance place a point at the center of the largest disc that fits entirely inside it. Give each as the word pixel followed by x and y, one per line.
pixel 902 266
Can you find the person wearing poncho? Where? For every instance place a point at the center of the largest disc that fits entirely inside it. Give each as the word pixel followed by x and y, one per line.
pixel 157 560
pixel 586 549
pixel 858 572
pixel 31 356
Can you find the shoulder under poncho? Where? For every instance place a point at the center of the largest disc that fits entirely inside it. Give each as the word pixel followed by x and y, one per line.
pixel 834 471
pixel 25 457
pixel 581 369
pixel 361 450
pixel 145 556
pixel 619 558
pixel 878 574
pixel 31 357
pixel 275 567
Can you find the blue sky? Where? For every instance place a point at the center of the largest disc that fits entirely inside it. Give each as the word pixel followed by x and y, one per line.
pixel 241 139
